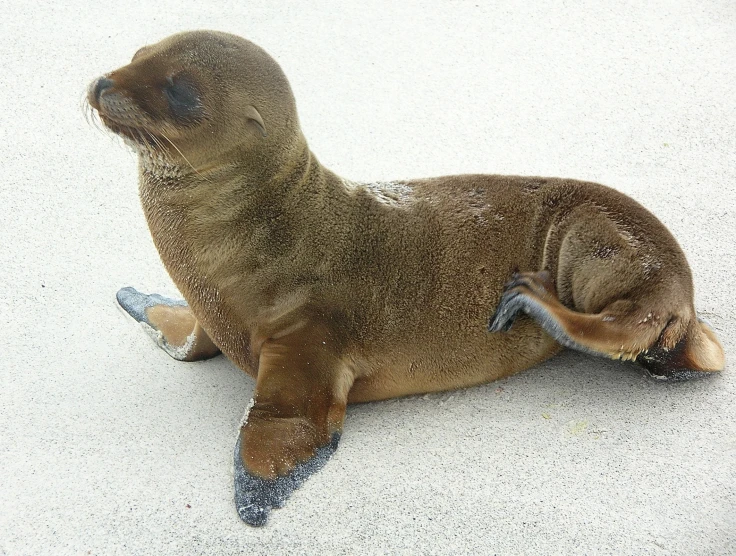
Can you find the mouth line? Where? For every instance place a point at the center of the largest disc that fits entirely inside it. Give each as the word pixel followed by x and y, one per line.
pixel 138 135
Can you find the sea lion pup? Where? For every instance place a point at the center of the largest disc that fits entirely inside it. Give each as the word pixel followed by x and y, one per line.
pixel 330 292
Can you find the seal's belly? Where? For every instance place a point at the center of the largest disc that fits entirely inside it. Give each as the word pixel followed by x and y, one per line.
pixel 433 367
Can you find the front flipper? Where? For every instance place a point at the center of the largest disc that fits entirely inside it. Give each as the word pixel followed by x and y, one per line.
pixel 295 423
pixel 170 323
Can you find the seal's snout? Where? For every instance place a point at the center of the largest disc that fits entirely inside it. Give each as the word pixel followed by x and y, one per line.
pixel 99 87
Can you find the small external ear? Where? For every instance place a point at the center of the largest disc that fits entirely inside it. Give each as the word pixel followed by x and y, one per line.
pixel 139 52
pixel 255 117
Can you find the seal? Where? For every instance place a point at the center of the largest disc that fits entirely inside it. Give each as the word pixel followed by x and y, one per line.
pixel 329 291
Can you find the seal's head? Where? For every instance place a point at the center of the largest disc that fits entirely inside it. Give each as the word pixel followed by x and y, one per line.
pixel 199 97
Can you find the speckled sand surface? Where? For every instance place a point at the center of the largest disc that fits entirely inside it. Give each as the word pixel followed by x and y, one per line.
pixel 108 446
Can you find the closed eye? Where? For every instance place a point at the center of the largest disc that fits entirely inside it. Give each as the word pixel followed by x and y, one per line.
pixel 183 98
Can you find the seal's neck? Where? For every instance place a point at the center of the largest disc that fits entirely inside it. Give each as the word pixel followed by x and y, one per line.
pixel 269 164
pixel 250 190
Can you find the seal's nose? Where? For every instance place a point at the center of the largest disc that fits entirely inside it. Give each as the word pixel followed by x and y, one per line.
pixel 102 84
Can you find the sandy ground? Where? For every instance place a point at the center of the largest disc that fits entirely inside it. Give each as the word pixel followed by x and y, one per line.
pixel 108 446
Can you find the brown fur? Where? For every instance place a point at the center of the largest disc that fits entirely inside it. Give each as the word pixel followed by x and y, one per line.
pixel 331 292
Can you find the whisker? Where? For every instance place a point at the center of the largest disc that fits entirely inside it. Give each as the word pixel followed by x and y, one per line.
pixel 83 106
pixel 144 140
pixel 153 145
pixel 161 149
pixel 91 116
pixel 141 140
pixel 182 155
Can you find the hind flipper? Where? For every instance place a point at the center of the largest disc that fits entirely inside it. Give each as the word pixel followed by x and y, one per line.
pixel 664 344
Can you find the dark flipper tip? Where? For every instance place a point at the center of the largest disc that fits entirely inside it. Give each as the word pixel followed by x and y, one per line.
pixel 509 307
pixel 135 303
pixel 253 514
pixel 254 496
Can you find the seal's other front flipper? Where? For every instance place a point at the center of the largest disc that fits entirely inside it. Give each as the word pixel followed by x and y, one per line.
pixel 170 323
